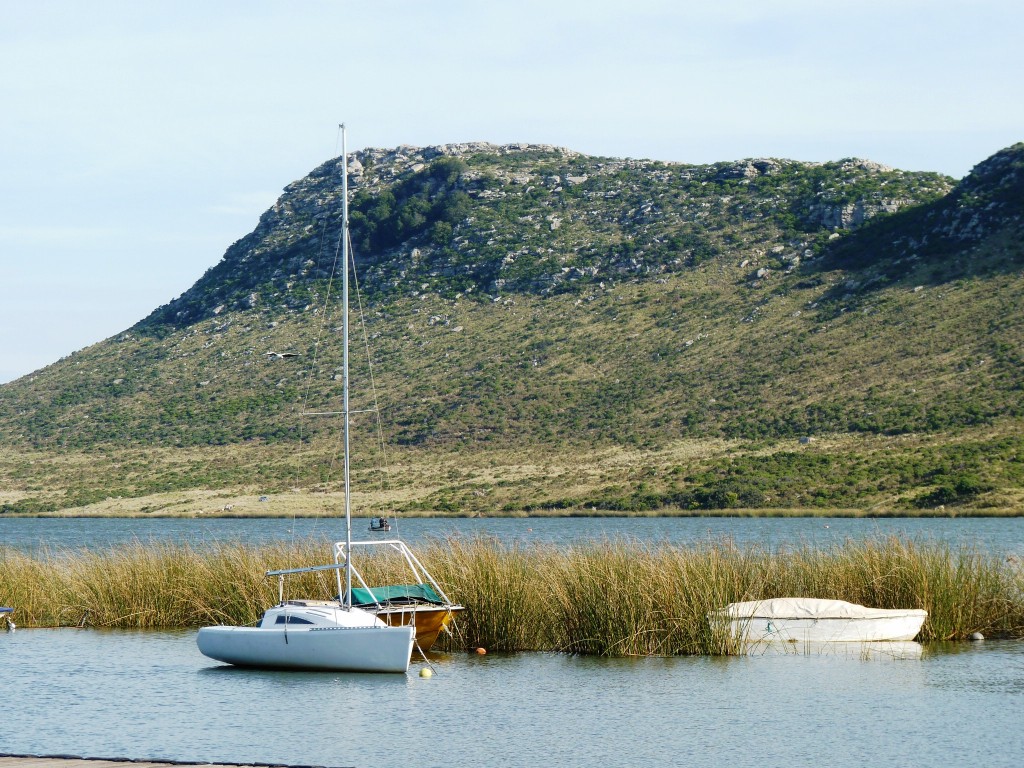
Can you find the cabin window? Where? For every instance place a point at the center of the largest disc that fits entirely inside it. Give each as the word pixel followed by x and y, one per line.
pixel 292 620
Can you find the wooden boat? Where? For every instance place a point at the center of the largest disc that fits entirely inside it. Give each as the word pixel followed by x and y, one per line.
pixel 421 603
pixel 805 619
pixel 320 634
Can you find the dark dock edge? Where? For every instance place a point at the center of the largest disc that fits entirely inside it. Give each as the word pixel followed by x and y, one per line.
pixel 58 760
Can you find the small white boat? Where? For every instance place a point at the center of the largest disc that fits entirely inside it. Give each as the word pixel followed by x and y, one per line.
pixel 806 619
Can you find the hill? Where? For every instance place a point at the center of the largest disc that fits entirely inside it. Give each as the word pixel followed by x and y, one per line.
pixel 553 330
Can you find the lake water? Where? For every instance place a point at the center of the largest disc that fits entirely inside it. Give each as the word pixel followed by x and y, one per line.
pixel 996 534
pixel 152 695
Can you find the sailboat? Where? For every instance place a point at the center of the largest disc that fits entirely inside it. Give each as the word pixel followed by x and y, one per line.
pixel 320 634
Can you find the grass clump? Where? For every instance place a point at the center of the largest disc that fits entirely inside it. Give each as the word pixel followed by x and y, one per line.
pixel 608 598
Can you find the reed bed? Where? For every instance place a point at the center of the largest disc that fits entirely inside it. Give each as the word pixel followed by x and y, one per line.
pixel 613 598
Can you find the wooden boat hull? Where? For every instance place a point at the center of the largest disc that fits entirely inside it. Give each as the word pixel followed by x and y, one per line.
pixel 350 649
pixel 429 620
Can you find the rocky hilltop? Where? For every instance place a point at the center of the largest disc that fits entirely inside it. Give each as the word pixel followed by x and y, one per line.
pixel 990 200
pixel 480 219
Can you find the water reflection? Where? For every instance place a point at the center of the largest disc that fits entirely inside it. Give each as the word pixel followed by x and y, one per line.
pixel 962 671
pixel 895 650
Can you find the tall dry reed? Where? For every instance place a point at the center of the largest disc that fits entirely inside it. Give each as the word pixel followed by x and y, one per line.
pixel 614 598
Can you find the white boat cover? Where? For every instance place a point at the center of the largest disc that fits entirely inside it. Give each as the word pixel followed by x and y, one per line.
pixel 811 608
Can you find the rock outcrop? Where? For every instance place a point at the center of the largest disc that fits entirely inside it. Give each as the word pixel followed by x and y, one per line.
pixel 488 219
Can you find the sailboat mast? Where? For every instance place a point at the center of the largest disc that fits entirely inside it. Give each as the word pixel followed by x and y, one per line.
pixel 344 363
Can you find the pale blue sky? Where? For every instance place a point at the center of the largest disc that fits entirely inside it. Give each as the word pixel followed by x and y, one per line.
pixel 138 140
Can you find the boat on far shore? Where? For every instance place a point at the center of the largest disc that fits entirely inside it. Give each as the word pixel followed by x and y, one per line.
pixel 807 619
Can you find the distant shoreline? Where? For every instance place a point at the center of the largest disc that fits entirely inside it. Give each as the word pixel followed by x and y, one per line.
pixel 441 515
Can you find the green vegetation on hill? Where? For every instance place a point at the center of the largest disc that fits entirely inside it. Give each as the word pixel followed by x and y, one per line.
pixel 523 301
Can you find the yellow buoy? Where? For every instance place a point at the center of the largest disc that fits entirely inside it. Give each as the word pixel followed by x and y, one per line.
pixel 426 672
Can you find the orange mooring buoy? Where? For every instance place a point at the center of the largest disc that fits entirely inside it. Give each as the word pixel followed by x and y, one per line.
pixel 481 651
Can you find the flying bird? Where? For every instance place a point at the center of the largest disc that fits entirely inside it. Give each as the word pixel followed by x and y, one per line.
pixel 281 355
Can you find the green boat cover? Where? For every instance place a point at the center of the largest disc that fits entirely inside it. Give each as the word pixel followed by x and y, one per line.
pixel 395 594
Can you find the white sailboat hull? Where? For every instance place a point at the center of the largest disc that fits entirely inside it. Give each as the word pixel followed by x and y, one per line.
pixel 352 649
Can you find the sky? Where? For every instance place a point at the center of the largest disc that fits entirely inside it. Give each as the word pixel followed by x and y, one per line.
pixel 139 140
